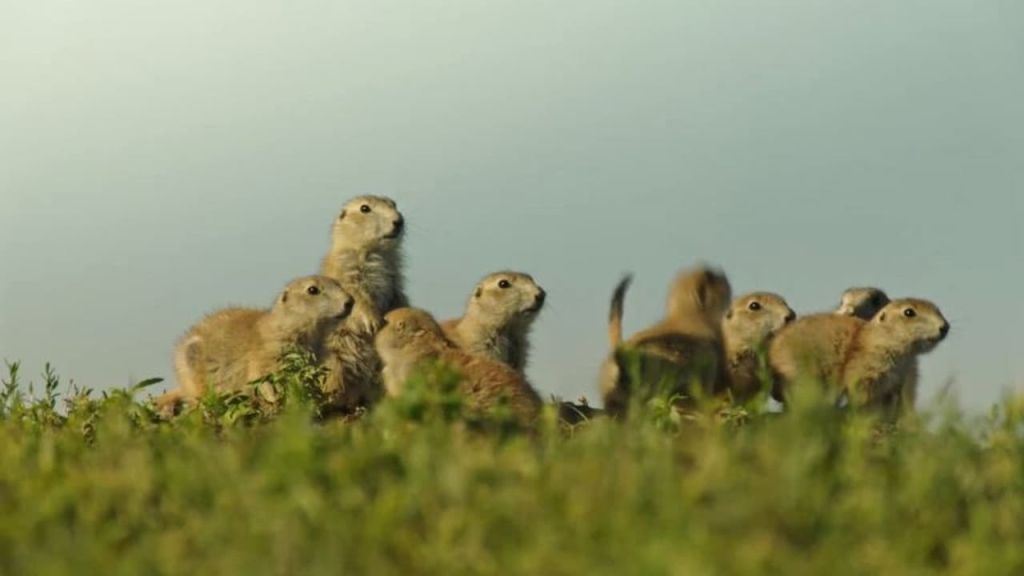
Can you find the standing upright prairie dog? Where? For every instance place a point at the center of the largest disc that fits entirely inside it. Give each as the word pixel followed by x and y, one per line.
pixel 498 318
pixel 366 258
pixel 747 328
pixel 235 346
pixel 675 354
pixel 867 361
pixel 862 303
pixel 411 338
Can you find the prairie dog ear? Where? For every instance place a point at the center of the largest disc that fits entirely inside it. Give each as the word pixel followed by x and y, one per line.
pixel 703 294
pixel 881 317
pixel 284 297
pixel 479 292
pixel 728 315
pixel 342 215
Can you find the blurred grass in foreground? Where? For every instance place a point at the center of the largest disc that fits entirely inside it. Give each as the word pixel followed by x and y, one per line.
pixel 263 484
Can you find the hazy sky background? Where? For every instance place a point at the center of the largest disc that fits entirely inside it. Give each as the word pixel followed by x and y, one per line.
pixel 159 160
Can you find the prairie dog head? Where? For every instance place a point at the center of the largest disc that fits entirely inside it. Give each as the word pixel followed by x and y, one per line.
pixel 753 318
pixel 310 302
pixel 701 292
pixel 911 325
pixel 505 298
pixel 368 221
pixel 408 337
pixel 862 303
pixel 409 331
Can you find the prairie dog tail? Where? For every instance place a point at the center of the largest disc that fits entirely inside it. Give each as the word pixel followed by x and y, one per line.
pixel 187 356
pixel 615 315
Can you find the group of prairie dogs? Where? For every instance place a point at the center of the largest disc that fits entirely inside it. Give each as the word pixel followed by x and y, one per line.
pixel 355 319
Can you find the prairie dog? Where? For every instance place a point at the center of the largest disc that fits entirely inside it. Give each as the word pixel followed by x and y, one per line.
pixel 683 349
pixel 870 361
pixel 411 337
pixel 498 318
pixel 862 303
pixel 366 258
pixel 882 360
pixel 234 346
pixel 747 328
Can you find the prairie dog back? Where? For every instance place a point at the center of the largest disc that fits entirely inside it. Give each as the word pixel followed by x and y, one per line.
pixel 813 348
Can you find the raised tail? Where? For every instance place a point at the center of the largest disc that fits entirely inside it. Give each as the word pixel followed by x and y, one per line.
pixel 615 315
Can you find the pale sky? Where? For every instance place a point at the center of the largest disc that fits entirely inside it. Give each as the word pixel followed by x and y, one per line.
pixel 159 160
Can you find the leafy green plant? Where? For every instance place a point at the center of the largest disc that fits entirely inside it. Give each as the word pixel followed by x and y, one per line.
pixel 263 483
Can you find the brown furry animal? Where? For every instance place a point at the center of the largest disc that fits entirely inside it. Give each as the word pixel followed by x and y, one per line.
pixel 682 351
pixel 862 303
pixel 866 362
pixel 747 328
pixel 498 318
pixel 411 338
pixel 366 258
pixel 235 346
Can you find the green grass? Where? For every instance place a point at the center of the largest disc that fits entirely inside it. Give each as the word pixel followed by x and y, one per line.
pixel 97 484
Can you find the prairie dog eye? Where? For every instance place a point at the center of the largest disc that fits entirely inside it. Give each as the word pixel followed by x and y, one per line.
pixel 754 306
pixel 910 313
pixel 504 284
pixel 365 209
pixel 313 290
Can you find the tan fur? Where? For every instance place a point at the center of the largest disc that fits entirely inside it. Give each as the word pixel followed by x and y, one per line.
pixel 869 362
pixel 683 349
pixel 882 362
pixel 411 338
pixel 811 349
pixel 862 303
pixel 498 318
pixel 366 258
pixel 234 346
pixel 747 329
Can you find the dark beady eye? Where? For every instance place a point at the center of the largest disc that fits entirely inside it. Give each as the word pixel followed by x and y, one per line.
pixel 313 290
pixel 365 209
pixel 910 312
pixel 754 306
pixel 504 284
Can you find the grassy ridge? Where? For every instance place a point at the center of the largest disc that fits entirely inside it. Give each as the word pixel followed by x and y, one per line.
pixel 237 486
